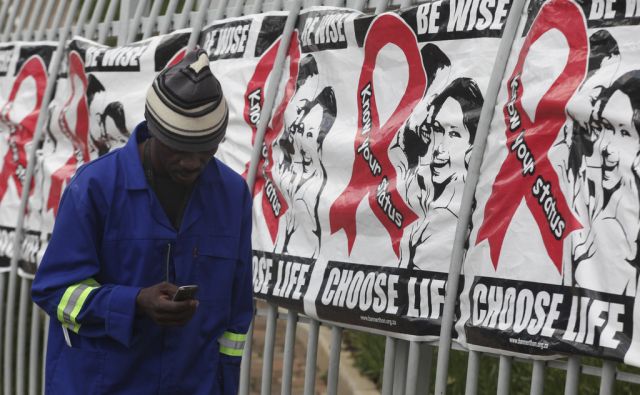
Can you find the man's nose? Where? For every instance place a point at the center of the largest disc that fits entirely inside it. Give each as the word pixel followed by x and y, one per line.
pixel 190 162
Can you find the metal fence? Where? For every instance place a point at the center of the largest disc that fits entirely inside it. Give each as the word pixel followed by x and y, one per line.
pixel 407 365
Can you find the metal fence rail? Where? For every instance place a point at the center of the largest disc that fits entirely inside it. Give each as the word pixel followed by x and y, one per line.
pixel 407 365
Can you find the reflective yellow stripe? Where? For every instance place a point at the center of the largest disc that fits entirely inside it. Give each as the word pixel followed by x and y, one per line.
pixel 232 344
pixel 236 337
pixel 72 301
pixel 231 351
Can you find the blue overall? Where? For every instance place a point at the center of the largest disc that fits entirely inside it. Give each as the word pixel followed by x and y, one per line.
pixel 111 238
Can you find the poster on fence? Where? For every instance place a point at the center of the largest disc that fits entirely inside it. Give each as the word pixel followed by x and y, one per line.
pixel 23 81
pixel 99 99
pixel 242 53
pixel 365 162
pixel 553 258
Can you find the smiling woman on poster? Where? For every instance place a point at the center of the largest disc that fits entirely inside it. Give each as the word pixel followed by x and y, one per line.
pixel 611 246
pixel 302 175
pixel 452 121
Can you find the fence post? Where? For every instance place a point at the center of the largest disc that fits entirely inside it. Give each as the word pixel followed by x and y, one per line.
pixel 17 241
pixel 468 196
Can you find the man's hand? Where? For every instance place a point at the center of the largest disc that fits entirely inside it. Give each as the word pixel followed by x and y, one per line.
pixel 156 303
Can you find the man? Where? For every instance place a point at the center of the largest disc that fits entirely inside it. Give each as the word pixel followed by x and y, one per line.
pixel 134 224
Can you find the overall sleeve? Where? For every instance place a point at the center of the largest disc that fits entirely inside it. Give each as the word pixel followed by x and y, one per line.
pixel 233 339
pixel 67 284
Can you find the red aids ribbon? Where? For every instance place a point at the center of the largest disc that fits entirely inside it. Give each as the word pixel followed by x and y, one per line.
pixel 78 135
pixel 373 172
pixel 21 131
pixel 527 172
pixel 273 203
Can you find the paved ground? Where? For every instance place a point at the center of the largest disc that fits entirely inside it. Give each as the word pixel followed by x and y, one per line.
pixel 350 381
pixel 297 385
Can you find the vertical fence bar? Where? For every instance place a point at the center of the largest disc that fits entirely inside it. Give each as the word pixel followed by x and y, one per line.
pixel 32 20
pixel 197 25
pixel 537 378
pixel 504 375
pixel 573 376
pixel 22 335
pixel 400 367
pixel 8 27
pixel 468 195
pixel 245 363
pixel 608 377
pixel 34 351
pixel 95 19
pixel 359 5
pixel 473 368
pixel 425 363
pixel 185 14
pixel 334 360
pixel 237 10
pixel 44 20
pixel 274 80
pixel 412 368
pixel 45 342
pixel 26 6
pixel 3 13
pixel 289 348
pixel 57 17
pixel 17 243
pixel 123 24
pixel 406 4
pixel 3 291
pixel 387 372
pixel 151 20
pixel 257 7
pixel 81 18
pixel 135 22
pixel 221 10
pixel 165 23
pixel 103 29
pixel 312 357
pixel 276 5
pixel 267 355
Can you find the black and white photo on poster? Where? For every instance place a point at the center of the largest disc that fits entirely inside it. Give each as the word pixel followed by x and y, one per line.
pixel 99 99
pixel 570 223
pixel 22 91
pixel 242 53
pixel 367 170
pixel 292 174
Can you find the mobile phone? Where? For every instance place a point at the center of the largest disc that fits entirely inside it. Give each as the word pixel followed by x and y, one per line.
pixel 185 292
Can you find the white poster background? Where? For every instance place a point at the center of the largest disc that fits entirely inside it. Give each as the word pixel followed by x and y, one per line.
pixel 304 233
pixel 524 260
pixel 95 110
pixel 21 92
pixel 235 63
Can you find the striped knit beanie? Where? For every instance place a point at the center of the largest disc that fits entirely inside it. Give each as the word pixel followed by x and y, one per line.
pixel 185 108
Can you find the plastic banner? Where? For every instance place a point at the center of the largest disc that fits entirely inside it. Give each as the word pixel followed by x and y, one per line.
pixel 242 53
pixel 365 162
pixel 553 260
pixel 99 100
pixel 23 81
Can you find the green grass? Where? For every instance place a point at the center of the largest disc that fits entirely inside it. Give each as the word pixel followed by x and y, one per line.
pixel 368 352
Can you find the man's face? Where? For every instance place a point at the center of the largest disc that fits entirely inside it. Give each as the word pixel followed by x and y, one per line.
pixel 618 140
pixel 451 142
pixel 181 166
